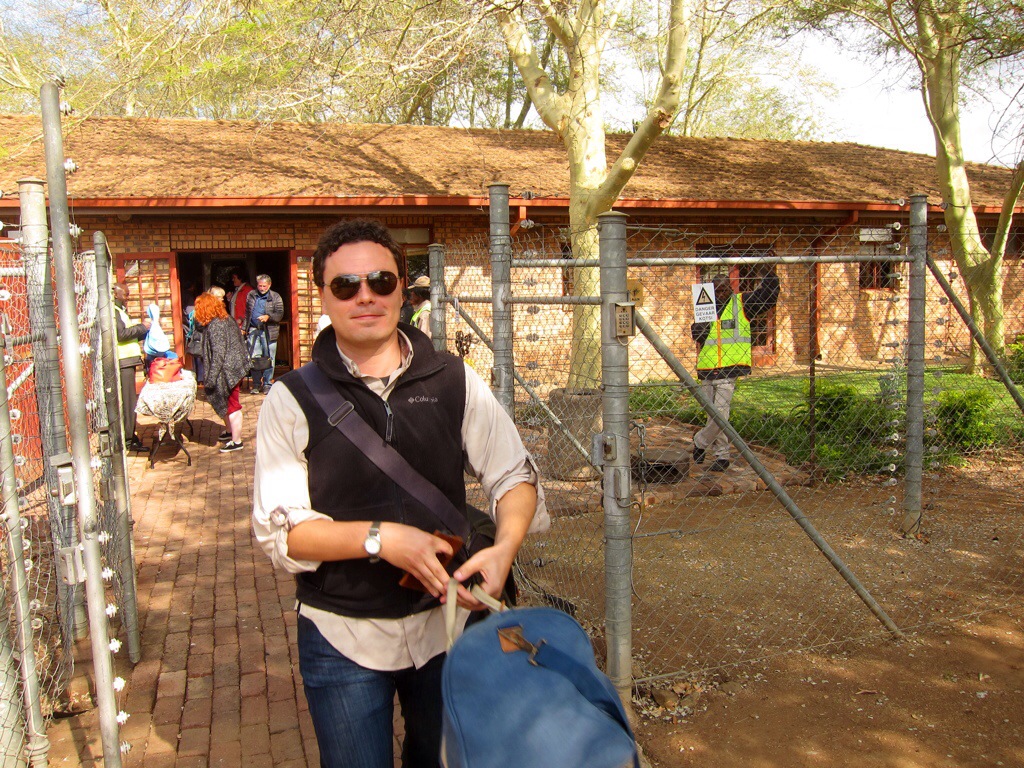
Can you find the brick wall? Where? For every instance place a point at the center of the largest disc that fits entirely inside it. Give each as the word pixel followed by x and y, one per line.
pixel 856 326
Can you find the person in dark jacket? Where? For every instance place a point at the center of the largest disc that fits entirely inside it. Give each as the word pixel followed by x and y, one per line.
pixel 725 354
pixel 321 510
pixel 226 361
pixel 129 358
pixel 264 311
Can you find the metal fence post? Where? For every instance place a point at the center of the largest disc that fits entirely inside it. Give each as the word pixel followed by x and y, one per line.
pixel 49 402
pixel 116 456
pixel 12 720
pixel 915 366
pixel 79 426
pixel 501 291
pixel 38 745
pixel 617 490
pixel 438 296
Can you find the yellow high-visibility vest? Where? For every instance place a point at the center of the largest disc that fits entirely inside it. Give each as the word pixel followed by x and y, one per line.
pixel 728 342
pixel 130 348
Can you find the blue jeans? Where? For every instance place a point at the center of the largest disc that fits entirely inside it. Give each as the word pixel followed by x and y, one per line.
pixel 263 378
pixel 353 710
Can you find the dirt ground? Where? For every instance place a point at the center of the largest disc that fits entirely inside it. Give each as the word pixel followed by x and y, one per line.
pixel 948 697
pixel 950 694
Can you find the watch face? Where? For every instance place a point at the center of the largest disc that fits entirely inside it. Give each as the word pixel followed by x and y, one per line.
pixel 372 545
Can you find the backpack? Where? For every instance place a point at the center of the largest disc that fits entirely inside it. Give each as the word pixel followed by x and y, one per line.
pixel 521 688
pixel 193 335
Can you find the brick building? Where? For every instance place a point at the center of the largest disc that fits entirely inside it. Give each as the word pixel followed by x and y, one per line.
pixel 183 203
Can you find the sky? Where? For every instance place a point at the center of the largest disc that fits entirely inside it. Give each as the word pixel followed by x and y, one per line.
pixel 873 108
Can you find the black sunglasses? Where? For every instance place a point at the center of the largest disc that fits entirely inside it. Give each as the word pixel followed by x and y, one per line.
pixel 381 282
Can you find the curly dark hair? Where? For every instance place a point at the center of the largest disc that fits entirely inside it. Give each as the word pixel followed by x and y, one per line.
pixel 354 231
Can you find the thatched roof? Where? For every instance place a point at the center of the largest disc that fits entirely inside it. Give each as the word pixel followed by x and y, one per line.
pixel 164 158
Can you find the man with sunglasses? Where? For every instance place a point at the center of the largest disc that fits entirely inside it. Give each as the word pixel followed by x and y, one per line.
pixel 323 511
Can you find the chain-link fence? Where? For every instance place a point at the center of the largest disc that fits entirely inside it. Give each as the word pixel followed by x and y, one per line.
pixel 868 486
pixel 66 521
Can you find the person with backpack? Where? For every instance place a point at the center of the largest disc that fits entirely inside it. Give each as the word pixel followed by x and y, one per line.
pixel 352 534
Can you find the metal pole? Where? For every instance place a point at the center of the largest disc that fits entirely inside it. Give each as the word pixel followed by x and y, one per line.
pixel 438 326
pixel 52 434
pixel 79 426
pixel 115 455
pixel 501 290
pixel 914 463
pixel 765 475
pixel 12 720
pixel 812 370
pixel 618 552
pixel 38 745
pixel 976 334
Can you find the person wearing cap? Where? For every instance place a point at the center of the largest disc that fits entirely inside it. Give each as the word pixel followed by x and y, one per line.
pixel 419 297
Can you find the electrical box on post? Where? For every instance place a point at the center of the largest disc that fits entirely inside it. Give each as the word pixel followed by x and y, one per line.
pixel 625 320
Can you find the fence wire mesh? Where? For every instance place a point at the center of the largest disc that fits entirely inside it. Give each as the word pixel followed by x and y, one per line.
pixel 37 559
pixel 30 359
pixel 722 574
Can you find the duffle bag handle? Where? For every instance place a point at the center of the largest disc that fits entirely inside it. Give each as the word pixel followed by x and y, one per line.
pixel 451 606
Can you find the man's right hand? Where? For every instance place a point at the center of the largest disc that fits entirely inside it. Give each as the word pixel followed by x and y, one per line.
pixel 147 323
pixel 416 551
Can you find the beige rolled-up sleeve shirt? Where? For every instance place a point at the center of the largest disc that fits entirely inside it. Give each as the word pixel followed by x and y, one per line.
pixel 493 453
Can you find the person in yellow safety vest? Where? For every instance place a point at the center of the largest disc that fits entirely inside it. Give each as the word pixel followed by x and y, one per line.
pixel 129 358
pixel 419 297
pixel 725 355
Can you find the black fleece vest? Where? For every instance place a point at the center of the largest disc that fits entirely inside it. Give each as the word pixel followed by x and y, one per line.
pixel 422 419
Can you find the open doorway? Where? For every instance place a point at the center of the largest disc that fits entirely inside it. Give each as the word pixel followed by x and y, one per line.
pixel 199 271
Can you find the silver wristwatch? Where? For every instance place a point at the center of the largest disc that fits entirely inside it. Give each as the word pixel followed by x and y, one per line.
pixel 372 543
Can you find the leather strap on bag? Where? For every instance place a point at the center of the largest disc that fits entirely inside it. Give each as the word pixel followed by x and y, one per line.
pixel 341 415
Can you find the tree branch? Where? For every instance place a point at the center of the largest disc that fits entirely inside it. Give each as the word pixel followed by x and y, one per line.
pixel 1006 214
pixel 659 116
pixel 537 82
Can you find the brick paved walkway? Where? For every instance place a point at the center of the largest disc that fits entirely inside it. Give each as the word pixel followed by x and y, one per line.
pixel 218 683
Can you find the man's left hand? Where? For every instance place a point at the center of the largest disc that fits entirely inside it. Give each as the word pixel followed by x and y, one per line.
pixel 263 318
pixel 493 565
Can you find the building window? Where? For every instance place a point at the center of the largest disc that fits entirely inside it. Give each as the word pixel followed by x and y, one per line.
pixel 879 275
pixel 1014 242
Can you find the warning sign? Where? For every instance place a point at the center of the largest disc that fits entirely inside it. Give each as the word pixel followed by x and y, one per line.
pixel 704 310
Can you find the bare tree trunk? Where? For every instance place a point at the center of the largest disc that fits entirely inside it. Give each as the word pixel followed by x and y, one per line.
pixel 982 270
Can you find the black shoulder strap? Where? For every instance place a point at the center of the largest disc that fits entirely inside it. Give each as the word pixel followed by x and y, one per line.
pixel 342 416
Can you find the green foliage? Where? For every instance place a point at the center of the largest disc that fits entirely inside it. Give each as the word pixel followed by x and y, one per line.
pixel 832 402
pixel 849 425
pixel 852 426
pixel 964 419
pixel 658 400
pixel 1014 359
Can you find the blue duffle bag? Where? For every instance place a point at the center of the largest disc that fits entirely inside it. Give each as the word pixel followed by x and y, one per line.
pixel 521 689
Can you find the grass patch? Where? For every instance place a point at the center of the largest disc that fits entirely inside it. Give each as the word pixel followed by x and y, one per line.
pixel 858 417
